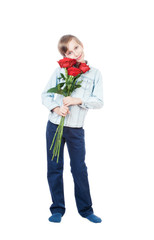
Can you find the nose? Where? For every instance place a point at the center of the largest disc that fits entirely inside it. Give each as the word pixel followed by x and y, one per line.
pixel 76 54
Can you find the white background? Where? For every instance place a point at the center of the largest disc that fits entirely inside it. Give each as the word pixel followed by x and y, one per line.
pixel 118 39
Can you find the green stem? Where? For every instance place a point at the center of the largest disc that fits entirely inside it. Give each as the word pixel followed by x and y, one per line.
pixel 54 138
pixel 58 136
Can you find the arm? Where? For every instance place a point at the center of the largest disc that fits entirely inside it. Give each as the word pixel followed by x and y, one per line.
pixel 95 100
pixel 48 98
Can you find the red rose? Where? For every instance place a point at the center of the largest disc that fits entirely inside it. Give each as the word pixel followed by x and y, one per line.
pixel 84 67
pixel 73 71
pixel 66 62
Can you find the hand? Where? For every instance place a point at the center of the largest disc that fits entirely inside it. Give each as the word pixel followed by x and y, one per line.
pixel 62 111
pixel 67 101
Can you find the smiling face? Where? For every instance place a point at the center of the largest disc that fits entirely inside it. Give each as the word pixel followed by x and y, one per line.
pixel 75 51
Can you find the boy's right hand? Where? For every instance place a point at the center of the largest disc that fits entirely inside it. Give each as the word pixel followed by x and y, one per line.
pixel 62 111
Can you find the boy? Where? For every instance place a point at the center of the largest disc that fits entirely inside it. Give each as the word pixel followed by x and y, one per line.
pixel 74 108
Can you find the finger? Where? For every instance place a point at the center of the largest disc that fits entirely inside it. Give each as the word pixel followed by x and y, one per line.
pixel 63 112
pixel 65 104
pixel 65 107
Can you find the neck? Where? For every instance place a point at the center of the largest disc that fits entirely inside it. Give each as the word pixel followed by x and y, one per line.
pixel 78 63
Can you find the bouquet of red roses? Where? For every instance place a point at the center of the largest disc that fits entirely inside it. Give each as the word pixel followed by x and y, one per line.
pixel 70 78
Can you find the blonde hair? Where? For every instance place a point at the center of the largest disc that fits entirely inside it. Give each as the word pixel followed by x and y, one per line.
pixel 64 40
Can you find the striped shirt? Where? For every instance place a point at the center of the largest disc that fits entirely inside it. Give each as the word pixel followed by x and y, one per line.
pixel 90 92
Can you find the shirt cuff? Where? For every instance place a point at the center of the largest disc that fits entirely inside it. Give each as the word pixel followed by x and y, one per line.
pixel 83 105
pixel 53 106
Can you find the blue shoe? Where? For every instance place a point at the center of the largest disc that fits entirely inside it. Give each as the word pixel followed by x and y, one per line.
pixel 56 217
pixel 94 218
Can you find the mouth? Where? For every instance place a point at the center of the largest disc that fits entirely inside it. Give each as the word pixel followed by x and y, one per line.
pixel 79 57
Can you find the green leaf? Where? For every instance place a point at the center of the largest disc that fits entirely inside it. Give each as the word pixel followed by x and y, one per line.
pixel 61 84
pixel 52 90
pixel 77 86
pixel 60 91
pixel 62 75
pixel 57 88
pixel 79 82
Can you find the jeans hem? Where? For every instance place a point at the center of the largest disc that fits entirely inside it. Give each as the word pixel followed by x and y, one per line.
pixel 58 212
pixel 86 214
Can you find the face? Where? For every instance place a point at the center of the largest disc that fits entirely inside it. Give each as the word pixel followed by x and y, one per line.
pixel 75 51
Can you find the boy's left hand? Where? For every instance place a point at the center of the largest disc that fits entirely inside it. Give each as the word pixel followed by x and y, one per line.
pixel 67 101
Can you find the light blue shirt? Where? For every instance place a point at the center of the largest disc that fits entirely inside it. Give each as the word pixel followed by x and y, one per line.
pixel 90 92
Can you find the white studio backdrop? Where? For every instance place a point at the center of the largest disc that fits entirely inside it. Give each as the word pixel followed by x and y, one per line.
pixel 118 40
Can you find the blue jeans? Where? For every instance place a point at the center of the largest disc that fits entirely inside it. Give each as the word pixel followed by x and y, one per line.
pixel 74 138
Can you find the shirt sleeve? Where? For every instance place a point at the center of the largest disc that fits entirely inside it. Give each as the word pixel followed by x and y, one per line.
pixel 95 100
pixel 48 98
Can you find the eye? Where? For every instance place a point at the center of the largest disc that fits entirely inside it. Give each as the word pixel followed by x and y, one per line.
pixel 70 52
